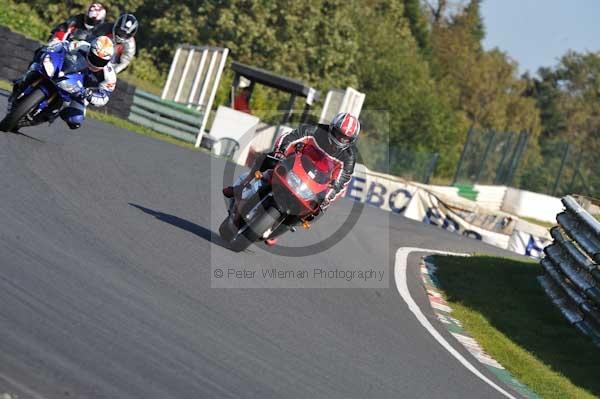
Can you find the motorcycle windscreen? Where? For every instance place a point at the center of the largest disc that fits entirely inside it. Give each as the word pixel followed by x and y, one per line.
pixel 317 165
pixel 320 173
pixel 74 62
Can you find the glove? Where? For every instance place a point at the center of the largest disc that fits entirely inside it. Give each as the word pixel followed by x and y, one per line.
pixel 88 94
pixel 328 198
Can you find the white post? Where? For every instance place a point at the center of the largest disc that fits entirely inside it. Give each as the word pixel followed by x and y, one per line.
pixel 211 66
pixel 352 102
pixel 186 69
pixel 171 73
pixel 212 95
pixel 325 106
pixel 197 77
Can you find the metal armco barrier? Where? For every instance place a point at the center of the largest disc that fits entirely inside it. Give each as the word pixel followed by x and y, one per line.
pixel 571 272
pixel 165 116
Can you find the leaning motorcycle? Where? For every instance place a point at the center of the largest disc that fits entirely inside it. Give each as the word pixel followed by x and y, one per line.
pixel 273 202
pixel 60 79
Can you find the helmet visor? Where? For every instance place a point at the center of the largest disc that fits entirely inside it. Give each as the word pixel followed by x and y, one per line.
pixel 96 61
pixel 121 34
pixel 340 137
pixel 91 21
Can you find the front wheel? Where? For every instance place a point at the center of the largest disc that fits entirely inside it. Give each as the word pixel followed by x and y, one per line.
pixel 252 231
pixel 16 117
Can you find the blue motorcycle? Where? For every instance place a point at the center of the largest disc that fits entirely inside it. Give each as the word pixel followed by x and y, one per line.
pixel 59 78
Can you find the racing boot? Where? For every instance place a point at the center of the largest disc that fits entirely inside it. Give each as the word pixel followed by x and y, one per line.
pixel 271 241
pixel 228 192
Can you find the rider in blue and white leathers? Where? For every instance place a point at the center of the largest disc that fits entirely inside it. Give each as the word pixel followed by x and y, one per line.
pixel 99 82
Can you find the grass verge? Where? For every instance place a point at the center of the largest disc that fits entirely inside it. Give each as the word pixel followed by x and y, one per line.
pixel 125 124
pixel 501 304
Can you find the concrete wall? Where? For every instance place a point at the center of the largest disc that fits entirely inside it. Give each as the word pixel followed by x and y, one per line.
pixel 17 52
pixel 511 200
pixel 533 205
pixel 490 197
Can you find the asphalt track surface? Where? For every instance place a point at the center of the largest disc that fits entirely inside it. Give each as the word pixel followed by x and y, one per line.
pixel 105 287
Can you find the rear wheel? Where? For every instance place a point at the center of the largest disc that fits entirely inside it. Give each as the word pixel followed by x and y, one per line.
pixel 16 118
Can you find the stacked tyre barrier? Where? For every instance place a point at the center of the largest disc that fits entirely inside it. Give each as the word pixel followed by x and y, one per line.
pixel 17 53
pixel 571 268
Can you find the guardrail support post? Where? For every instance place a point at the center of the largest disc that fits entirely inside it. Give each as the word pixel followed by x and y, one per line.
pixel 563 161
pixel 462 155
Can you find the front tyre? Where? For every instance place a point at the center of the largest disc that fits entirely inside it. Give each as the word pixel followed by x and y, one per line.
pixel 17 116
pixel 251 232
pixel 225 230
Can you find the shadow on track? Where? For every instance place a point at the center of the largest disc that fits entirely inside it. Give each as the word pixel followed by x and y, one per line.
pixel 183 224
pixel 28 136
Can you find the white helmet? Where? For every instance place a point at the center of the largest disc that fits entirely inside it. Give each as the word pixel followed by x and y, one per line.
pixel 95 15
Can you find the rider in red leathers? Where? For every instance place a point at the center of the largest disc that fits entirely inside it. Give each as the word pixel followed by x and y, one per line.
pixel 336 140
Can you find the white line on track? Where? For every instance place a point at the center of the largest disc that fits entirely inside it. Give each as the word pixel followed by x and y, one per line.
pixel 400 268
pixel 21 387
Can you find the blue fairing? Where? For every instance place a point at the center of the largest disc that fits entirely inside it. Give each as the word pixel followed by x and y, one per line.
pixel 68 77
pixel 57 55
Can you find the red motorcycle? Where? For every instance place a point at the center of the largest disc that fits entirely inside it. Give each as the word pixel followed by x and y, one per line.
pixel 273 202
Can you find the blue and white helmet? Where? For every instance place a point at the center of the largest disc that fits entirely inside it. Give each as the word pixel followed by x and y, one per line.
pixel 125 28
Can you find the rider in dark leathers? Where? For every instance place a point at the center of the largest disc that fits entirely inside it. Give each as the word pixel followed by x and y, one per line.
pixel 335 139
pixel 343 154
pixel 80 26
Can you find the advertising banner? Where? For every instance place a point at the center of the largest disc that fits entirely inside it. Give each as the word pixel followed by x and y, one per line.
pixel 416 202
pixel 427 208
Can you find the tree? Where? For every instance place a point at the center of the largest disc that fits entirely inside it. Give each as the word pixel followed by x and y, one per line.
pixel 418 24
pixel 56 11
pixel 568 96
pixel 437 9
pixel 483 84
pixel 314 40
pixel 397 80
pixel 472 14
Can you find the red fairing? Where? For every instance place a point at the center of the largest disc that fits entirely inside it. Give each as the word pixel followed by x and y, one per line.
pixel 311 145
pixel 319 165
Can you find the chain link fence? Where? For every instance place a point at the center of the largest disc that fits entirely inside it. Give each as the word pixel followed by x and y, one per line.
pixel 410 165
pixel 513 159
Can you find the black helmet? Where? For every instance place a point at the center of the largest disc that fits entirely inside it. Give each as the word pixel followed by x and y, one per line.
pixel 344 129
pixel 125 28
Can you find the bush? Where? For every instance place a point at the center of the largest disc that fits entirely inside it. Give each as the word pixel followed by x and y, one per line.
pixel 19 18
